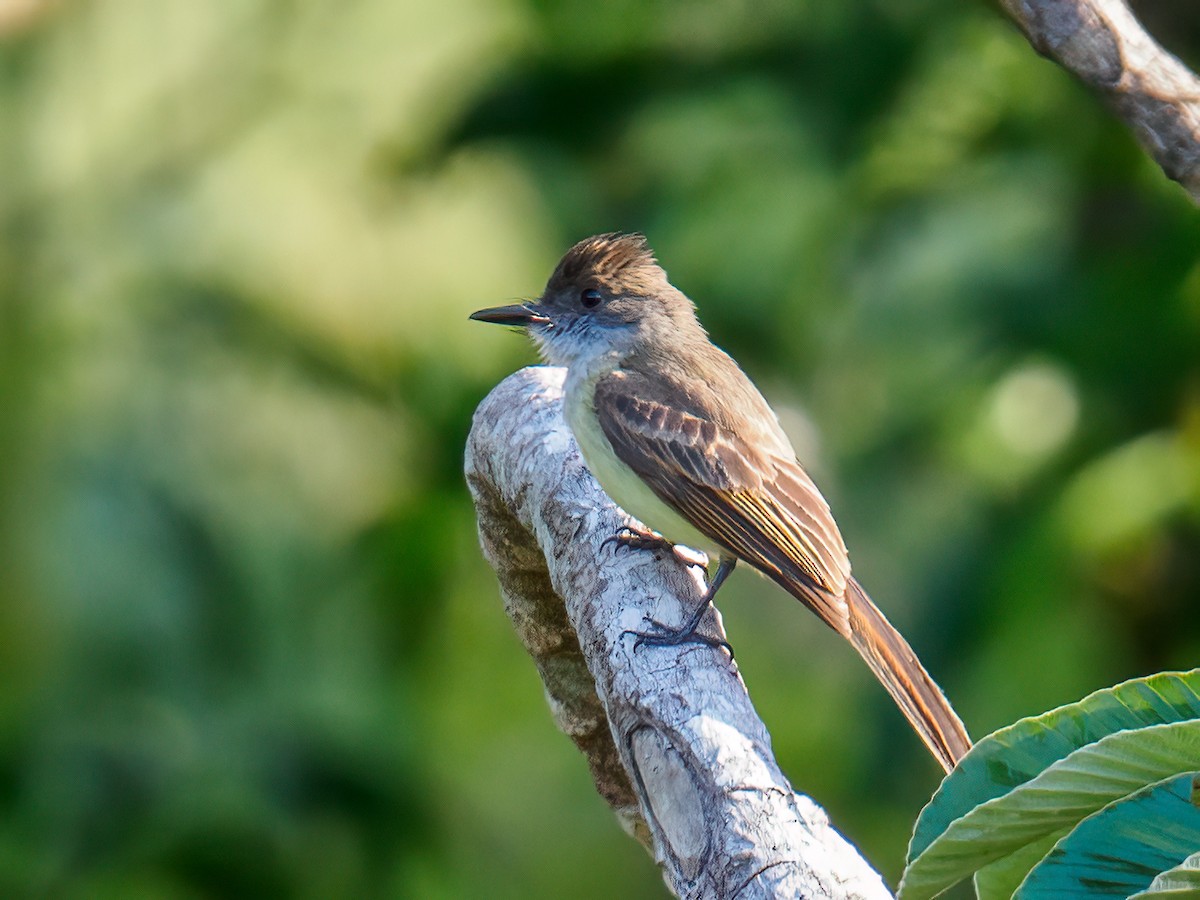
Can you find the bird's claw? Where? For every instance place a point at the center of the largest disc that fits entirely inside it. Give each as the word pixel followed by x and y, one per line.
pixel 636 540
pixel 669 637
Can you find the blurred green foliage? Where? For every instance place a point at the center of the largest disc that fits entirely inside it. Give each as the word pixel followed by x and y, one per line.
pixel 248 646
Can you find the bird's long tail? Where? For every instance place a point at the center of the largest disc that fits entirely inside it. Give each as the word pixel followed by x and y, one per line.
pixel 901 673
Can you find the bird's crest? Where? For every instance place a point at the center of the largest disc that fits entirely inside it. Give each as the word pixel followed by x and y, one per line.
pixel 615 259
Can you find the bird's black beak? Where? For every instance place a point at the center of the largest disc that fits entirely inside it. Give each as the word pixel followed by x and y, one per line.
pixel 518 314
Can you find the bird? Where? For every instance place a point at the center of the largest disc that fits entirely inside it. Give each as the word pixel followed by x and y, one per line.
pixel 678 436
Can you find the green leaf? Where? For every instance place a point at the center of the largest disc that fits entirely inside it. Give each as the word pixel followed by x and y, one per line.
pixel 1000 880
pixel 1119 850
pixel 1181 881
pixel 1014 755
pixel 1109 769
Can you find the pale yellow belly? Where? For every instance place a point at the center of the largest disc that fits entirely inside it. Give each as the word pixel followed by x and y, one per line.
pixel 620 482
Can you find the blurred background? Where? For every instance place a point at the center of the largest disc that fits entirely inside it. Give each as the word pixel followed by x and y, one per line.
pixel 248 646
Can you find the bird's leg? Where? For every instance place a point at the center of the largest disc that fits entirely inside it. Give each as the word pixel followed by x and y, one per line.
pixel 636 539
pixel 668 637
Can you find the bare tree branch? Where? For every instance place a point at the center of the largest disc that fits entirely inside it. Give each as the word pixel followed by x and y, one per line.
pixel 671 737
pixel 1103 43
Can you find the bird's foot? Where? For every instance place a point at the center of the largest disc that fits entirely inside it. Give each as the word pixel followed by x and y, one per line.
pixel 636 539
pixel 665 636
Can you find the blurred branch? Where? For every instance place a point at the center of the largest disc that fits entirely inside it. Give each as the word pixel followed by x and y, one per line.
pixel 671 737
pixel 1102 43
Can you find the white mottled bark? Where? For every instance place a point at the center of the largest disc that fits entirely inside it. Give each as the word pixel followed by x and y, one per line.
pixel 670 735
pixel 1105 46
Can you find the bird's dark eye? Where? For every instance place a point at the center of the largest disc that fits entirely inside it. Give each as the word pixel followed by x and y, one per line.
pixel 590 298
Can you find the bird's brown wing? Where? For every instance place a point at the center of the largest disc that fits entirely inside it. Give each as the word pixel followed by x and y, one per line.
pixel 746 492
pixel 743 488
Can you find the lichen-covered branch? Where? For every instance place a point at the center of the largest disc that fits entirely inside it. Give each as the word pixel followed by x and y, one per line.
pixel 1103 43
pixel 670 735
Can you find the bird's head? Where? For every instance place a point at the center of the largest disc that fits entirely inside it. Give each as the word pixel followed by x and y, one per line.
pixel 608 296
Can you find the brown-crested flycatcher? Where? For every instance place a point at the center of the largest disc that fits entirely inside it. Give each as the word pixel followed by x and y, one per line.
pixel 680 438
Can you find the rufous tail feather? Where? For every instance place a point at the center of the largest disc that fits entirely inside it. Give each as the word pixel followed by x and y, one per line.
pixel 901 673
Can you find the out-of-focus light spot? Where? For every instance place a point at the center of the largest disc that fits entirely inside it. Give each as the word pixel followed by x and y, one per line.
pixel 1034 409
pixel 1017 424
pixel 17 15
pixel 1128 492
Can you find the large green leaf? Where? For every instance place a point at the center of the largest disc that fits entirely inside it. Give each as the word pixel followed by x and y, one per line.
pixel 1000 880
pixel 1069 790
pixel 1014 755
pixel 1181 881
pixel 1119 850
